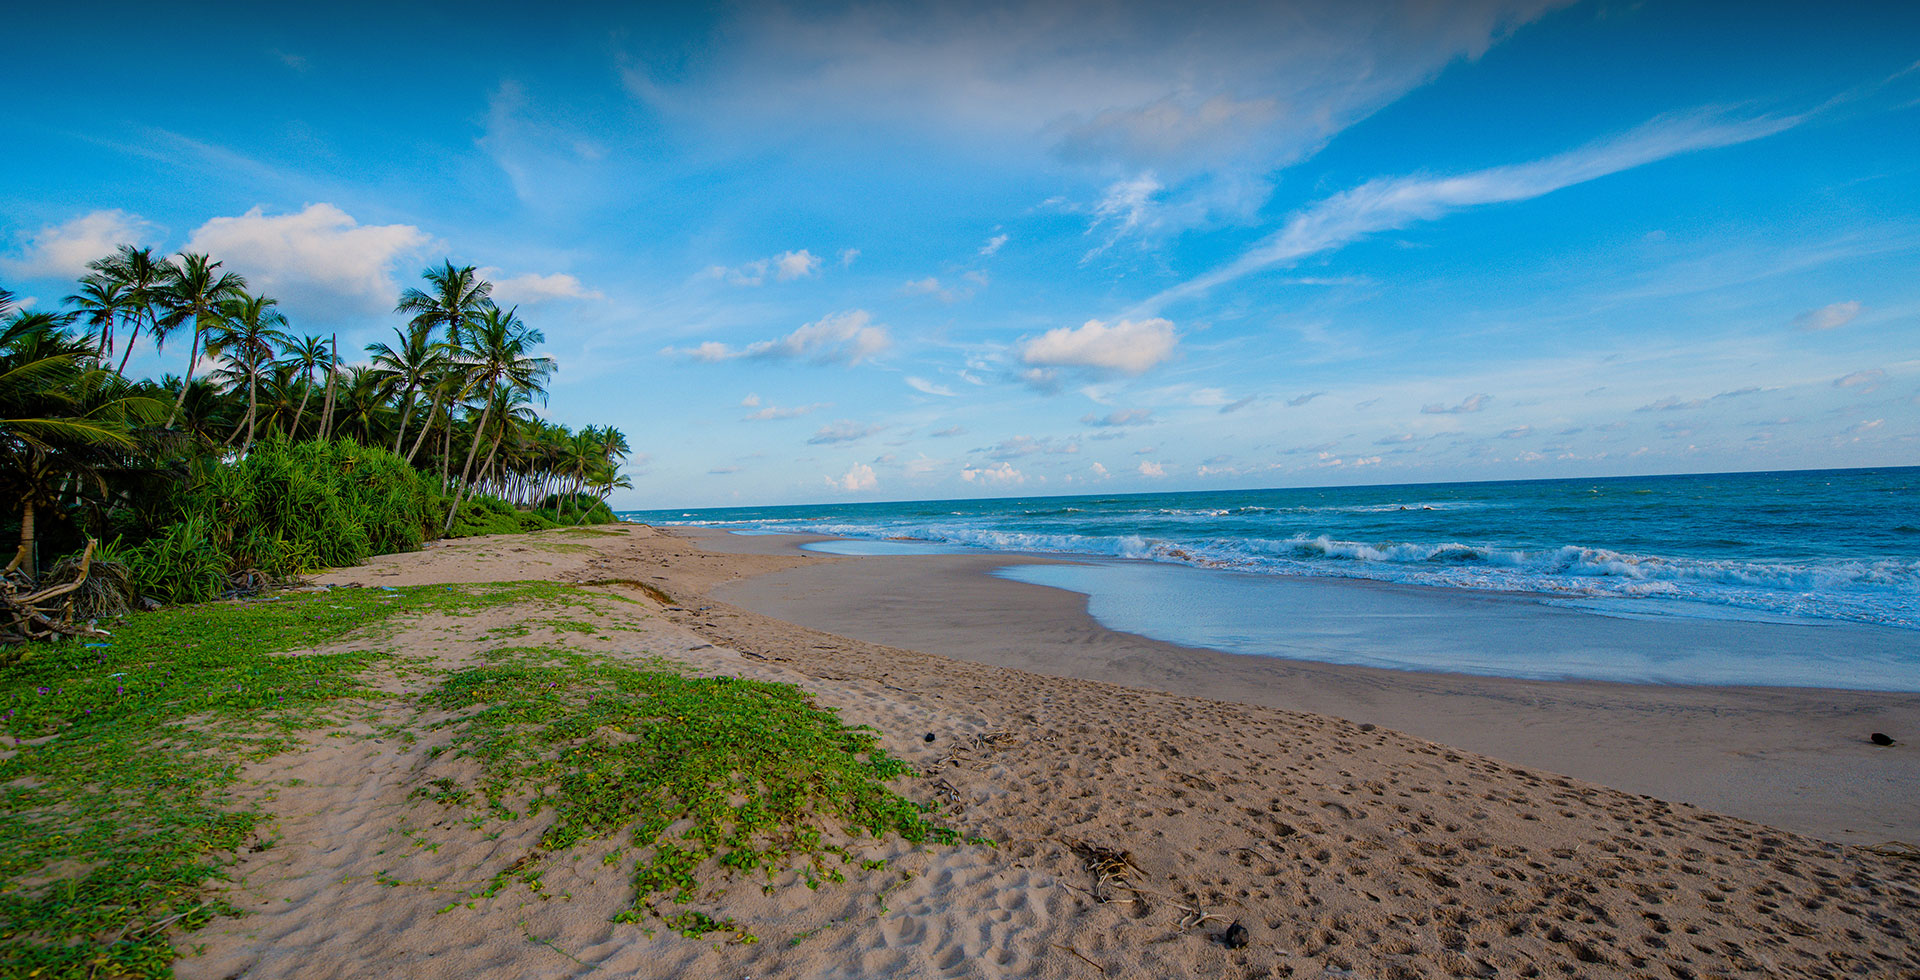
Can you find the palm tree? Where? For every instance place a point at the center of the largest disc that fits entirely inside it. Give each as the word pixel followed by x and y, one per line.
pixel 141 277
pixel 497 349
pixel 195 290
pixel 459 299
pixel 62 420
pixel 247 336
pixel 417 359
pixel 101 303
pixel 306 353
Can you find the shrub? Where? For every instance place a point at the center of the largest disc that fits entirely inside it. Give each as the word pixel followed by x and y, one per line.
pixel 282 510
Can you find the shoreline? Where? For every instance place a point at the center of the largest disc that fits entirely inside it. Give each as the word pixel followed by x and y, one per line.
pixel 1792 757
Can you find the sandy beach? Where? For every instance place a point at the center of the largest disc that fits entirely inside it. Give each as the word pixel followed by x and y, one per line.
pixel 1140 799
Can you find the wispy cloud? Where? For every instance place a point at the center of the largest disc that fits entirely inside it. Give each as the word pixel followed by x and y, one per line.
pixel 1470 404
pixel 1121 419
pixel 785 267
pixel 841 338
pixel 1390 203
pixel 844 430
pixel 926 387
pixel 1830 317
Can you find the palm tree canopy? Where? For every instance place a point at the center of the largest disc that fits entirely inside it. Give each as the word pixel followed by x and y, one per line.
pixel 458 298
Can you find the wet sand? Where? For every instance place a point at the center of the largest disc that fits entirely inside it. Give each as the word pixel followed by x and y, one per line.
pixel 1791 757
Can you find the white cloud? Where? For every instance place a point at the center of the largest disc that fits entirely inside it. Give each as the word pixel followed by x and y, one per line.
pixel 1829 317
pixel 1866 381
pixel 858 477
pixel 1119 419
pixel 751 401
pixel 1389 203
pixel 1099 471
pixel 1472 403
pixel 840 338
pixel 785 267
pixel 926 387
pixel 534 288
pixel 788 266
pixel 62 251
pixel 993 245
pixel 315 259
pixel 947 433
pixel 1128 347
pixel 1019 446
pixel 998 473
pixel 775 412
pixel 1153 470
pixel 844 430
pixel 847 255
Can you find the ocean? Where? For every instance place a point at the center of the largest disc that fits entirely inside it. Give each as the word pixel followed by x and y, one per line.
pixel 1803 546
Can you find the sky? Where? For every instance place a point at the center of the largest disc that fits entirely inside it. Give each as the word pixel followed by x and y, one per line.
pixel 820 252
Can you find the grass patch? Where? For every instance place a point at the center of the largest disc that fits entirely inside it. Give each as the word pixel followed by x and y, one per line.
pixel 679 770
pixel 115 793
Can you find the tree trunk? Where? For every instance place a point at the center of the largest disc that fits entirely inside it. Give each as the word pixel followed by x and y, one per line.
pixel 253 405
pixel 406 412
pixel 132 335
pixel 192 359
pixel 426 426
pixel 460 490
pixel 300 414
pixel 23 556
pixel 326 414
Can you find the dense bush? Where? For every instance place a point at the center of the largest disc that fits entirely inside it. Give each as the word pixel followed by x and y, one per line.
pixel 283 509
pixel 483 514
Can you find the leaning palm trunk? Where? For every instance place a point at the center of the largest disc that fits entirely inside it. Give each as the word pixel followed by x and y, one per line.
pixel 460 489
pixel 23 556
pixel 193 358
pixel 426 426
pixel 300 414
pixel 406 412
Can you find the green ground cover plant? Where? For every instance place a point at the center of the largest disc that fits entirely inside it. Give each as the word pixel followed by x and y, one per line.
pixel 119 758
pixel 752 774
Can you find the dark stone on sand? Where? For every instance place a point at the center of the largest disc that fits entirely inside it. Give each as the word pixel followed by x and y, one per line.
pixel 1235 936
pixel 1367 726
pixel 929 736
pixel 1880 738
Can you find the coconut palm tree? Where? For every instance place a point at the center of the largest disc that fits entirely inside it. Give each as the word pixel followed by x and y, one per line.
pixel 101 303
pixel 408 367
pixel 141 277
pixel 497 350
pixel 459 298
pixel 195 290
pixel 306 354
pixel 247 336
pixel 62 421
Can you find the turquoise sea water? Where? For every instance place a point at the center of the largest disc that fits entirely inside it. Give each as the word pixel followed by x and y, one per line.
pixel 1833 545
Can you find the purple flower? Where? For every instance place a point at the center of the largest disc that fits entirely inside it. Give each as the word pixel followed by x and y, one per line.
pixel 122 689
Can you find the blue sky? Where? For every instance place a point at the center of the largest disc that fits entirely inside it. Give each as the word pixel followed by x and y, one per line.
pixel 816 252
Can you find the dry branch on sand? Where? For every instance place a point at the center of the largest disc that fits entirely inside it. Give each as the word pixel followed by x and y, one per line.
pixel 65 602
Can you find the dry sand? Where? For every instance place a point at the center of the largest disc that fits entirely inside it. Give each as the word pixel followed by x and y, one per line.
pixel 1342 849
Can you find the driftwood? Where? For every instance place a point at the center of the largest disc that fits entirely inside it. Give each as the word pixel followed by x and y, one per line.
pixel 47 610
